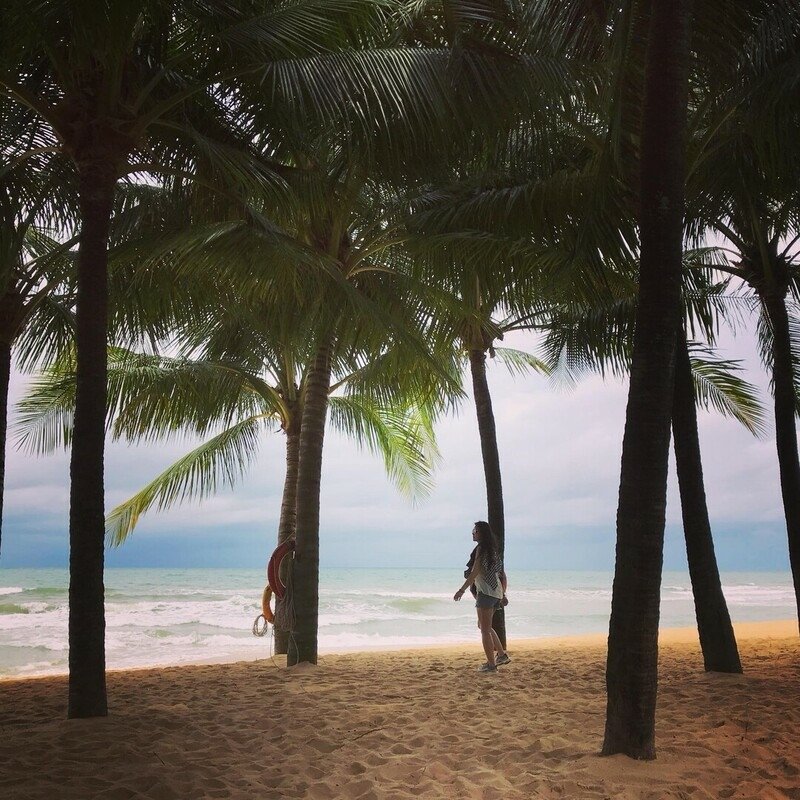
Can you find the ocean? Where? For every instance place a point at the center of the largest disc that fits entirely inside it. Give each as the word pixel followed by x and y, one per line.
pixel 182 616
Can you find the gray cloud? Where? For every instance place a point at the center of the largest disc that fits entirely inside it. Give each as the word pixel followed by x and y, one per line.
pixel 560 453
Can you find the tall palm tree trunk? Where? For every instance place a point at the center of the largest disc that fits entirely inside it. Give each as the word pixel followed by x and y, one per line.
pixel 305 577
pixel 87 681
pixel 491 464
pixel 5 378
pixel 785 430
pixel 12 317
pixel 717 639
pixel 286 524
pixel 631 669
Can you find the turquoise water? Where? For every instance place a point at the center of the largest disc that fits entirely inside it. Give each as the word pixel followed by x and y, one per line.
pixel 177 616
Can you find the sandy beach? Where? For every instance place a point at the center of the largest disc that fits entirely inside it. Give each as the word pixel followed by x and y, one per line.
pixel 413 724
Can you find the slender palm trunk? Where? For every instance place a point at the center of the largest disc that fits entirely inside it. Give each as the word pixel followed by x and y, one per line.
pixel 491 464
pixel 12 318
pixel 717 639
pixel 305 577
pixel 5 377
pixel 286 525
pixel 631 669
pixel 87 681
pixel 785 430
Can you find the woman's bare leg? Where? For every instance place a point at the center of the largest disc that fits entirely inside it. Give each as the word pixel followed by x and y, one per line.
pixel 485 621
pixel 496 643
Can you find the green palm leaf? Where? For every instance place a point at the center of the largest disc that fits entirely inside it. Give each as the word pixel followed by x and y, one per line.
pixel 403 437
pixel 150 398
pixel 222 460
pixel 43 421
pixel 518 362
pixel 718 386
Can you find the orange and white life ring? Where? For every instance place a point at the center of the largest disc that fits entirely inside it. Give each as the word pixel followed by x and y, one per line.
pixel 274 568
pixel 266 611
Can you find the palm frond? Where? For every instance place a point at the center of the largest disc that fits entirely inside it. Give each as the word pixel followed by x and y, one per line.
pixel 403 437
pixel 518 362
pixel 222 460
pixel 43 418
pixel 718 386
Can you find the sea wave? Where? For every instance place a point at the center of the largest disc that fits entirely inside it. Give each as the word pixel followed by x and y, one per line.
pixel 33 617
pixel 750 594
pixel 413 605
pixel 560 593
pixel 156 617
pixel 391 594
pixel 45 591
pixel 13 608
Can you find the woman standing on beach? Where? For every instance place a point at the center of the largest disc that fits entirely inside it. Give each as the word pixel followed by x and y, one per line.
pixel 490 580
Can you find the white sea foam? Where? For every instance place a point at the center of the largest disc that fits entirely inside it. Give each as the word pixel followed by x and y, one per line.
pixel 395 595
pixel 51 618
pixel 750 595
pixel 11 590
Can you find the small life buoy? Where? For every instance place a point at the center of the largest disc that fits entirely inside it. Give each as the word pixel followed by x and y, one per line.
pixel 274 567
pixel 266 611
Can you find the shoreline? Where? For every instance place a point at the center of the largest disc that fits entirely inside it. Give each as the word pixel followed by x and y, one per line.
pixel 767 629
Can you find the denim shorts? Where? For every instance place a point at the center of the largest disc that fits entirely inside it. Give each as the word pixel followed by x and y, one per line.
pixel 487 601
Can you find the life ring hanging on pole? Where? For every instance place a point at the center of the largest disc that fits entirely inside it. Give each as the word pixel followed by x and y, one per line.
pixel 275 586
pixel 266 611
pixel 266 614
pixel 274 568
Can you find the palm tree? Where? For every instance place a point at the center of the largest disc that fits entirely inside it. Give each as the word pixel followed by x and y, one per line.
pixel 631 670
pixel 746 188
pixel 599 337
pixel 90 75
pixel 478 332
pixel 34 262
pixel 480 319
pixel 246 365
pixel 378 311
pixel 717 639
pixel 35 310
pixel 770 269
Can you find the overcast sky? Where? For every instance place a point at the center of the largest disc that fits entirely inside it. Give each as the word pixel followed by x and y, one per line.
pixel 560 456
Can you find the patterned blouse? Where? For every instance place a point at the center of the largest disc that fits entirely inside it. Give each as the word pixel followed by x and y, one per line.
pixel 488 579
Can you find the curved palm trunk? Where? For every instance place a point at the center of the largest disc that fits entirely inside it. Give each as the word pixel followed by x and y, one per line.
pixel 87 682
pixel 286 525
pixel 491 464
pixel 717 639
pixel 5 377
pixel 785 430
pixel 305 576
pixel 631 668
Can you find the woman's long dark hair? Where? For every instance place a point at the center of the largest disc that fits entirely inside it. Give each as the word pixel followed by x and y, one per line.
pixel 487 543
